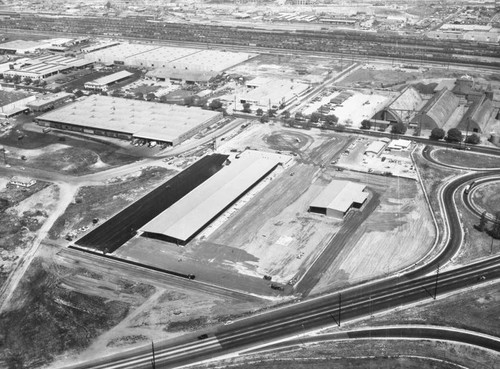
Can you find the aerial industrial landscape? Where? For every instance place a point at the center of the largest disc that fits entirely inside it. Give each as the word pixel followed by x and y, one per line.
pixel 272 184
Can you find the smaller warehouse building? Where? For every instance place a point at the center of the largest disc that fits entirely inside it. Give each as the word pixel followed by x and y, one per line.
pixel 50 101
pixel 375 148
pixel 338 198
pixel 102 84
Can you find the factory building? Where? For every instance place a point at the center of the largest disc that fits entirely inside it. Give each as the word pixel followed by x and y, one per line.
pixel 402 108
pixel 437 110
pixel 102 84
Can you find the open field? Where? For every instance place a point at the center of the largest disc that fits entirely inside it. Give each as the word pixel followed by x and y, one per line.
pixel 465 159
pixel 104 201
pixel 362 354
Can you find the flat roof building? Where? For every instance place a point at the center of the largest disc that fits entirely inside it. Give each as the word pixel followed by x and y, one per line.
pixel 49 101
pixel 127 119
pixel 375 148
pixel 192 213
pixel 338 198
pixel 102 84
pixel 266 92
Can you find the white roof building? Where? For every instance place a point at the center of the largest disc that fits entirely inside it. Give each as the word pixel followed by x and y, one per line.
pixel 375 148
pixel 338 197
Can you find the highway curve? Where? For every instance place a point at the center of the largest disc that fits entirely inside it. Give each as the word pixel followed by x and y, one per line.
pixel 436 333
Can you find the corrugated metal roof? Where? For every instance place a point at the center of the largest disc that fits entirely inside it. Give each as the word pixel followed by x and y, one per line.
pixel 188 215
pixel 340 195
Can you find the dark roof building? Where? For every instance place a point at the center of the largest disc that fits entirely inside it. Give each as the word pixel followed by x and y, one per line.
pixel 401 109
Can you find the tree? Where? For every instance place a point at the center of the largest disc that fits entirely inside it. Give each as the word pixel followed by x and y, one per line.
pixel 139 95
pixel 215 104
pixel 79 93
pixel 399 128
pixel 271 113
pixel 495 230
pixel 286 114
pixel 7 78
pixel 366 124
pixel 331 119
pixel 163 98
pixel 150 96
pixel 315 117
pixel 247 108
pixel 482 222
pixel 28 80
pixel 104 93
pixel 473 139
pixel 259 112
pixel 437 134
pixel 56 90
pixel 115 93
pixel 16 79
pixel 36 82
pixel 454 135
pixel 264 118
pixel 43 83
pixel 299 116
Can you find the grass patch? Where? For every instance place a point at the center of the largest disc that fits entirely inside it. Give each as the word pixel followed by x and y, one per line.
pixel 466 159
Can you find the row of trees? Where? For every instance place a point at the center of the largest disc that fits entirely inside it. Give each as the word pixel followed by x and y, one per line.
pixel 26 80
pixel 454 135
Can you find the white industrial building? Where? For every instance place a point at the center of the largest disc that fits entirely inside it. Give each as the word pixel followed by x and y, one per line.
pixel 338 197
pixel 102 84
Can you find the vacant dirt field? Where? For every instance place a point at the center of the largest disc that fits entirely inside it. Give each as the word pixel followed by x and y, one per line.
pixel 22 213
pixel 466 159
pixel 396 235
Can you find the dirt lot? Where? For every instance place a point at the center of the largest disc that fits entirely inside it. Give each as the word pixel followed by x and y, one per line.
pixel 51 317
pixel 104 201
pixel 362 354
pixel 465 159
pixel 22 213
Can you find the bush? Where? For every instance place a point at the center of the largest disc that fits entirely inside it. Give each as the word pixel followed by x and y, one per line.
pixel 473 139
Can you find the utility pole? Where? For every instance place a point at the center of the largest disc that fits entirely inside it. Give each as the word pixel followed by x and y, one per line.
pixel 436 285
pixel 340 310
pixel 153 360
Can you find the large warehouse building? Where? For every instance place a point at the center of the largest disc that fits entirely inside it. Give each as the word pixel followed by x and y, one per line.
pixel 338 197
pixel 402 108
pixel 192 213
pixel 185 64
pixel 128 119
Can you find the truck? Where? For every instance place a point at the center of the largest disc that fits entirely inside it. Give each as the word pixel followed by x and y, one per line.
pixel 467 189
